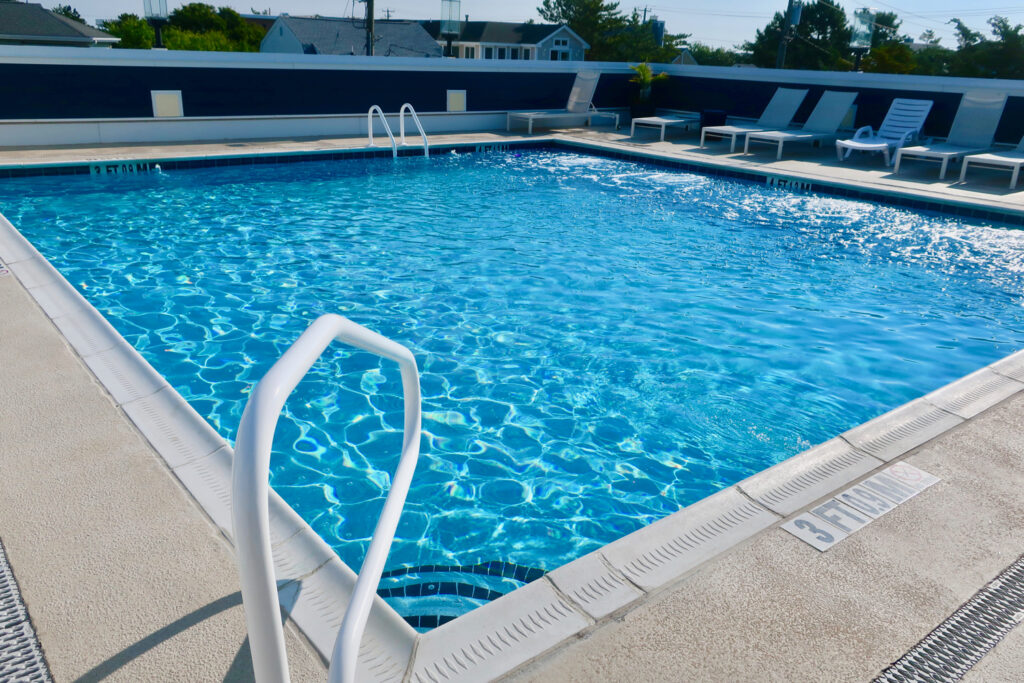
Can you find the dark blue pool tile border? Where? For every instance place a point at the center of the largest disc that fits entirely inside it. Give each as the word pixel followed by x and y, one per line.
pixel 991 215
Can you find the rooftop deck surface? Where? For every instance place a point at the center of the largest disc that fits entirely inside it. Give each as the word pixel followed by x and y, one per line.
pixel 125 577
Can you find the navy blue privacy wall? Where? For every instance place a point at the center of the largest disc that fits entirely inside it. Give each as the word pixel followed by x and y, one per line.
pixel 109 91
pixel 749 97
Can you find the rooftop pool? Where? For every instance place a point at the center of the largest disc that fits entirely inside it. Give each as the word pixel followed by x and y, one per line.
pixel 601 342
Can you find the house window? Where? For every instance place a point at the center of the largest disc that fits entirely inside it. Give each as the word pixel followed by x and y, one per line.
pixel 559 55
pixel 561 42
pixel 513 53
pixel 501 53
pixel 488 53
pixel 526 53
pixel 469 52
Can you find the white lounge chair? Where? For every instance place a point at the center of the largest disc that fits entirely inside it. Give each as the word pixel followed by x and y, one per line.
pixel 973 130
pixel 822 124
pixel 778 114
pixel 1012 160
pixel 684 119
pixel 901 125
pixel 579 108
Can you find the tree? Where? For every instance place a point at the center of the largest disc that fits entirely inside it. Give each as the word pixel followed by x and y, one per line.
pixel 822 40
pixel 714 56
pixel 979 57
pixel 69 12
pixel 198 26
pixel 135 33
pixel 887 30
pixel 890 58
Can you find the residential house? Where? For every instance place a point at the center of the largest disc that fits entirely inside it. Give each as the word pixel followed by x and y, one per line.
pixel 508 40
pixel 336 36
pixel 23 23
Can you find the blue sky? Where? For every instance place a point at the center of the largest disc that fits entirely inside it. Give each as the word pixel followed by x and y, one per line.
pixel 722 24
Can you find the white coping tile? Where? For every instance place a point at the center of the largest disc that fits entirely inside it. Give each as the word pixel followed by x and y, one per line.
pixel 126 375
pixel 59 298
pixel 34 272
pixel 209 481
pixel 1011 366
pixel 496 638
pixel 898 431
pixel 975 393
pixel 176 431
pixel 88 331
pixel 594 586
pixel 13 245
pixel 806 477
pixel 662 552
pixel 318 603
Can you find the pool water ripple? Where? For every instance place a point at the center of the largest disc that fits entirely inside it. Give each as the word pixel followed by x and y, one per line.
pixel 601 343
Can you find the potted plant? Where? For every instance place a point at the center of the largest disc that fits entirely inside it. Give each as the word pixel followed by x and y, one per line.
pixel 645 78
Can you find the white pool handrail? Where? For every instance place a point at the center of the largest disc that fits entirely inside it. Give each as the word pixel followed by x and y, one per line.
pixel 387 128
pixel 416 120
pixel 250 489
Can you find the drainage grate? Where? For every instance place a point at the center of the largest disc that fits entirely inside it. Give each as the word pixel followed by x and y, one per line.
pixel 949 652
pixel 21 658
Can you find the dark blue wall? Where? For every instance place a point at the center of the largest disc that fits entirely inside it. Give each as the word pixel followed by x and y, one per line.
pixel 748 98
pixel 31 91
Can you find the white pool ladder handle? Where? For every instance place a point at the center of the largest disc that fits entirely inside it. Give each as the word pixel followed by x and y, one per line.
pixel 250 489
pixel 387 128
pixel 416 120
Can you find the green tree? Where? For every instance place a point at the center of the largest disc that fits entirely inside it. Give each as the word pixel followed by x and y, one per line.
pixel 887 30
pixel 979 57
pixel 198 26
pixel 595 21
pixel 890 58
pixel 69 12
pixel 821 42
pixel 714 56
pixel 135 33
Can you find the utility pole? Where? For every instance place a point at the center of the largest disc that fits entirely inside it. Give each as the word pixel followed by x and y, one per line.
pixel 790 22
pixel 369 28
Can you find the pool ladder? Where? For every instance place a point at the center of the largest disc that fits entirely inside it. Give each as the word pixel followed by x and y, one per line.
pixel 250 489
pixel 401 127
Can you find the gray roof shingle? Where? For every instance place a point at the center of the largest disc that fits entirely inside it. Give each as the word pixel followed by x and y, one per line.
pixel 329 36
pixel 497 31
pixel 29 20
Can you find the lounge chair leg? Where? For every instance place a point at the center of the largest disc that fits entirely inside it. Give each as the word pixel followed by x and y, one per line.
pixel 899 158
pixel 839 152
pixel 885 155
pixel 963 170
pixel 942 169
pixel 702 138
pixel 732 147
pixel 632 129
pixel 1013 178
pixel 778 155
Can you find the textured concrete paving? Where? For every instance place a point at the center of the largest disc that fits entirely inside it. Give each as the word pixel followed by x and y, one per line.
pixel 778 610
pixel 123 576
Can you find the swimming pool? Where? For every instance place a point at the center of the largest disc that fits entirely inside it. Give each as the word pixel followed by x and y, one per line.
pixel 601 342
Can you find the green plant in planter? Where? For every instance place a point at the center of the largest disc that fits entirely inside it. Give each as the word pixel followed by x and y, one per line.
pixel 645 78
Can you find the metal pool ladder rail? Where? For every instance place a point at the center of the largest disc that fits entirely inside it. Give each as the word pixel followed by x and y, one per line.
pixel 416 120
pixel 250 489
pixel 387 128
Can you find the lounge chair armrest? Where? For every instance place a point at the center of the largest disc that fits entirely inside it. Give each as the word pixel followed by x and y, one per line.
pixel 863 132
pixel 907 138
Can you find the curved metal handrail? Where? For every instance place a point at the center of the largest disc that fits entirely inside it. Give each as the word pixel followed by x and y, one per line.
pixel 416 120
pixel 387 128
pixel 250 489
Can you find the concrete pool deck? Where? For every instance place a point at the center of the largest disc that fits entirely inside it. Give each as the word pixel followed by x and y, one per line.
pixel 107 546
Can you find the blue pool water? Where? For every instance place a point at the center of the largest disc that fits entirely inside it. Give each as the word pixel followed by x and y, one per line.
pixel 601 343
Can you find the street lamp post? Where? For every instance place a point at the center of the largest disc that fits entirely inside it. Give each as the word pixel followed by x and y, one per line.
pixel 155 12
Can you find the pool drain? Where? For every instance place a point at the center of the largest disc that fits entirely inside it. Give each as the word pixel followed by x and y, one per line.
pixel 958 643
pixel 21 658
